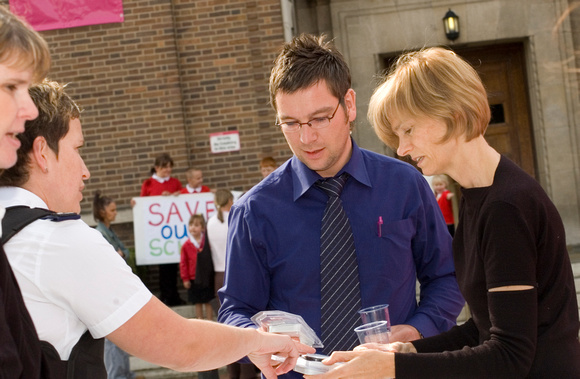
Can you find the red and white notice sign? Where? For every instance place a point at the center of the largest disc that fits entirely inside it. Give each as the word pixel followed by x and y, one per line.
pixel 224 141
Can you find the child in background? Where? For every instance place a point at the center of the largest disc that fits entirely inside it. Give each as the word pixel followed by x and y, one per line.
pixel 161 183
pixel 217 233
pixel 196 268
pixel 104 212
pixel 194 182
pixel 267 165
pixel 444 196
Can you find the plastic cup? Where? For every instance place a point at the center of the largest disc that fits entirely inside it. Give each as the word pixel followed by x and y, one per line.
pixel 376 313
pixel 374 332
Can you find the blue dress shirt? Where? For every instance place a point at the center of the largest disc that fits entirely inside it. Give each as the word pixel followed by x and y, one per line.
pixel 273 246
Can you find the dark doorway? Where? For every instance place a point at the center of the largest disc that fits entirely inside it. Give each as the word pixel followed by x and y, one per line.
pixel 502 70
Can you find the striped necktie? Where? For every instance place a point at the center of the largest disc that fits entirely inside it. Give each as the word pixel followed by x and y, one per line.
pixel 340 292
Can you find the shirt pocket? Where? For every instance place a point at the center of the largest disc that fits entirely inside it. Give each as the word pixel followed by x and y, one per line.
pixel 391 254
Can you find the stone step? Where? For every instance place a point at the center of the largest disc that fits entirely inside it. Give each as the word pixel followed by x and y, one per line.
pixel 157 372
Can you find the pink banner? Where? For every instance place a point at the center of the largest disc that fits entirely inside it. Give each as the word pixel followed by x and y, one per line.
pixel 61 14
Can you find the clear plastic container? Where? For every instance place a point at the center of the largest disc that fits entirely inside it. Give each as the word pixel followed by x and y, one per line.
pixel 309 364
pixel 287 323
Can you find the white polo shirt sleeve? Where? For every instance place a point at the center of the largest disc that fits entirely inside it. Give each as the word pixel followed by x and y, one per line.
pixel 72 279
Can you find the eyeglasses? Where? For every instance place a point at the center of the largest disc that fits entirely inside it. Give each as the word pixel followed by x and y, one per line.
pixel 315 123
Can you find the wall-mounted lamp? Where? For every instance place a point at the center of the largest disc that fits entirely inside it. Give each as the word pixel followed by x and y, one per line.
pixel 451 24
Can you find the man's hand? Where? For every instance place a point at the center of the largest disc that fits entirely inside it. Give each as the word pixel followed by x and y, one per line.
pixel 404 333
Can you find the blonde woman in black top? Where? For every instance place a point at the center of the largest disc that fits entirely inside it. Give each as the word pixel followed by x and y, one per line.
pixel 509 247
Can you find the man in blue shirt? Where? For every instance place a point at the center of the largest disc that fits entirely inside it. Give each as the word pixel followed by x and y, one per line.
pixel 273 253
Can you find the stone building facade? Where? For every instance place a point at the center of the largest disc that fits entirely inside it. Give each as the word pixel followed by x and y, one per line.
pixel 545 108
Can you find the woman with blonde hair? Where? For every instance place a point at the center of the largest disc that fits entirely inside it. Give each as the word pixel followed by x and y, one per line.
pixel 509 248
pixel 24 59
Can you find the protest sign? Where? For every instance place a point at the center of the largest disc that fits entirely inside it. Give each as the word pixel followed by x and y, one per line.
pixel 160 224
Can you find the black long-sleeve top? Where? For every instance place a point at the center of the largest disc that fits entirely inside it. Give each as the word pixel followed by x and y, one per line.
pixel 508 234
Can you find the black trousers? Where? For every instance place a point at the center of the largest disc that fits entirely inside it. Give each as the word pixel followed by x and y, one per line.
pixel 168 284
pixel 242 371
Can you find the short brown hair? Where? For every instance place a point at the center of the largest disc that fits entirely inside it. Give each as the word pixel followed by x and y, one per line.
pixel 190 171
pixel 163 160
pixel 308 60
pixel 435 83
pixel 21 46
pixel 268 162
pixel 55 111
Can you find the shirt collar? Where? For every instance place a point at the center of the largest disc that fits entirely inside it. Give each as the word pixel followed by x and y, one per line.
pixel 190 189
pixel 159 179
pixel 102 225
pixel 198 245
pixel 304 178
pixel 10 196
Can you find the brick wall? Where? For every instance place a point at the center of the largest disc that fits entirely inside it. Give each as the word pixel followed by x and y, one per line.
pixel 172 73
pixel 226 50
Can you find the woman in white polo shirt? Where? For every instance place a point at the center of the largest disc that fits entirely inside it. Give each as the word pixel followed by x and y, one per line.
pixel 73 281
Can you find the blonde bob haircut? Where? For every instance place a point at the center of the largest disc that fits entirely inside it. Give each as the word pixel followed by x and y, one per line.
pixel 433 83
pixel 21 47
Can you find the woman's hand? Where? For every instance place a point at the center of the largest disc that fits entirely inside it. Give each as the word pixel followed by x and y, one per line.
pixel 402 347
pixel 282 346
pixel 364 363
pixel 395 347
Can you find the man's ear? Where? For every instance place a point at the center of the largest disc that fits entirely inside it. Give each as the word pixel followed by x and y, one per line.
pixel 350 102
pixel 40 151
